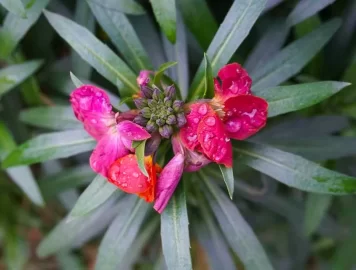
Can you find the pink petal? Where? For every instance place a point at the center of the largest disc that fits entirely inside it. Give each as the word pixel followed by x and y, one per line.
pixel 189 132
pixel 168 181
pixel 144 77
pixel 108 149
pixel 194 161
pixel 215 143
pixel 132 131
pixel 91 106
pixel 235 81
pixel 245 115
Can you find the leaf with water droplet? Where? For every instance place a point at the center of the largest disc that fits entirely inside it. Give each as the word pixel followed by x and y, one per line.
pixel 228 175
pixel 140 154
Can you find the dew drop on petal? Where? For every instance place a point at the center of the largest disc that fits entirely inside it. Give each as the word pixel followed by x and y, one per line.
pixel 203 109
pixel 196 120
pixel 227 139
pixel 210 121
pixel 135 174
pixel 233 126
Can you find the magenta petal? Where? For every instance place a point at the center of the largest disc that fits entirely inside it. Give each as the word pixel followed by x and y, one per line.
pixel 168 181
pixel 144 77
pixel 91 105
pixel 132 131
pixel 108 149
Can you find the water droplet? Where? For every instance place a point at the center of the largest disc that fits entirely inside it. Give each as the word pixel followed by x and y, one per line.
pixel 210 121
pixel 94 121
pixel 135 174
pixel 124 185
pixel 203 109
pixel 192 137
pixel 234 110
pixel 140 186
pixel 233 126
pixel 227 139
pixel 196 120
pixel 229 113
pixel 251 114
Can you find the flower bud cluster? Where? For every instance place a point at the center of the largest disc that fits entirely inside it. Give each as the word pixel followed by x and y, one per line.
pixel 159 111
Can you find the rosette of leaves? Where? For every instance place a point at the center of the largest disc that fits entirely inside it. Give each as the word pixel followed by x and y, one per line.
pixel 236 233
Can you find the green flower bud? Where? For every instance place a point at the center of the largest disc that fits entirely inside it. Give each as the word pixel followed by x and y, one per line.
pixel 146 112
pixel 160 122
pixel 151 126
pixel 178 105
pixel 140 102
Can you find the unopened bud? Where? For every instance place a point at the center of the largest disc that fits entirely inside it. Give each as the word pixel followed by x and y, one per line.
pixel 140 102
pixel 171 120
pixel 160 122
pixel 167 101
pixel 170 91
pixel 146 91
pixel 151 126
pixel 156 94
pixel 178 105
pixel 166 131
pixel 146 112
pixel 140 120
pixel 181 120
pixel 152 103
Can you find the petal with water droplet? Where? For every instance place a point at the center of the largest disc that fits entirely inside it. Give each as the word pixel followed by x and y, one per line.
pixel 249 115
pixel 235 81
pixel 212 139
pixel 189 132
pixel 108 149
pixel 132 131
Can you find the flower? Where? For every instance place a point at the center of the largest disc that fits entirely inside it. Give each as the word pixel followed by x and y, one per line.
pixel 126 175
pixel 114 134
pixel 233 113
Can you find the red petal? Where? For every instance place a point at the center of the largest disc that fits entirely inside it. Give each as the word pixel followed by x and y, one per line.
pixel 126 174
pixel 214 142
pixel 235 82
pixel 245 115
pixel 189 132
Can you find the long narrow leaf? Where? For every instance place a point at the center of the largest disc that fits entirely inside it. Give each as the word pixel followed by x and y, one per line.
pixel 122 34
pixel 14 6
pixel 234 29
pixel 293 58
pixel 175 232
pixel 56 117
pixel 121 233
pixel 290 98
pixel 12 76
pixel 236 230
pixel 166 15
pixel 97 193
pixel 124 6
pixel 50 146
pixel 101 57
pixel 14 27
pixel 293 170
pixel 195 14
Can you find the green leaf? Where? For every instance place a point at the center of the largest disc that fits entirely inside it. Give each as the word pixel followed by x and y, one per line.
pixel 293 58
pixel 161 70
pixel 165 13
pixel 316 148
pixel 97 193
pixel 195 14
pixel 68 261
pixel 54 117
pixel 101 57
pixel 14 28
pixel 73 229
pixel 291 98
pixel 12 76
pixel 175 232
pixel 54 184
pixel 228 175
pixel 50 146
pixel 140 154
pixel 305 9
pixel 78 83
pixel 22 175
pixel 123 6
pixel 238 233
pixel 293 170
pixel 84 17
pixel 14 6
pixel 122 232
pixel 209 79
pixel 316 207
pixel 234 29
pixel 122 34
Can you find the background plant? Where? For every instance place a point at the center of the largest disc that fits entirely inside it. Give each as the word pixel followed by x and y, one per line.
pixel 307 47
